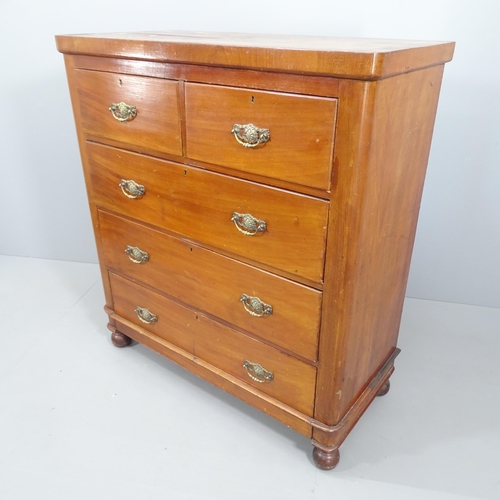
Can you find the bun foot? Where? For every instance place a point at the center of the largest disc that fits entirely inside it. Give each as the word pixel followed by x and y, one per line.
pixel 385 389
pixel 326 460
pixel 119 339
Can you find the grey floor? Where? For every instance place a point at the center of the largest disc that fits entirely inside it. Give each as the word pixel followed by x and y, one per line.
pixel 80 419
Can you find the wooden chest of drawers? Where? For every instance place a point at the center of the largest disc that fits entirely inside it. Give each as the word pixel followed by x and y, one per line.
pixel 254 201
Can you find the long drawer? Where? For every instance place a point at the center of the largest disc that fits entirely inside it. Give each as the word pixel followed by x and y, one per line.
pixel 279 375
pixel 138 111
pixel 276 135
pixel 282 229
pixel 218 285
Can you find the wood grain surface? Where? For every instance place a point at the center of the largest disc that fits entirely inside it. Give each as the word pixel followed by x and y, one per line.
pixel 199 204
pixel 359 58
pixel 213 283
pixel 157 124
pixel 216 376
pixel 232 77
pixel 384 132
pixel 293 381
pixel 301 132
pixel 174 324
pixel 75 103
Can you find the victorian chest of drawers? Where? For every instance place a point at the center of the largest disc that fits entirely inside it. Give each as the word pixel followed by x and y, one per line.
pixel 254 201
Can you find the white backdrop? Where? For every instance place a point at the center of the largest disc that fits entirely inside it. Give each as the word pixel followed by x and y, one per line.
pixel 43 208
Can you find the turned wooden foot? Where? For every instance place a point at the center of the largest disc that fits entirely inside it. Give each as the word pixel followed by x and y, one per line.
pixel 385 389
pixel 326 460
pixel 119 339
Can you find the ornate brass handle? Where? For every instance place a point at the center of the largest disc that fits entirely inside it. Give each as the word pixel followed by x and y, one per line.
pixel 131 189
pixel 254 306
pixel 123 112
pixel 248 224
pixel 145 315
pixel 249 135
pixel 257 372
pixel 136 255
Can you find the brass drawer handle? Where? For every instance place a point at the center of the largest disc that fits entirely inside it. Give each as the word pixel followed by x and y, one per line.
pixel 131 189
pixel 123 112
pixel 248 224
pixel 257 372
pixel 254 306
pixel 249 135
pixel 136 255
pixel 145 315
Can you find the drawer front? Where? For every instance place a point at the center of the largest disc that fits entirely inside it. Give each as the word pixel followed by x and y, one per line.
pixel 169 320
pixel 156 124
pixel 273 372
pixel 292 381
pixel 215 284
pixel 201 205
pixel 301 132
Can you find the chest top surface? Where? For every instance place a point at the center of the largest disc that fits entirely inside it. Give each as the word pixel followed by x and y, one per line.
pixel 358 58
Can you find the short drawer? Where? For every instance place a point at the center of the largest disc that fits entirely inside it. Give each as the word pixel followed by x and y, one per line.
pixel 215 284
pixel 294 143
pixel 152 123
pixel 279 375
pixel 279 228
pixel 152 311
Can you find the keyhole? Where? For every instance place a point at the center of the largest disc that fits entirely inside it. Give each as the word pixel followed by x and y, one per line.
pixel 185 172
pixel 120 81
pixel 252 99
